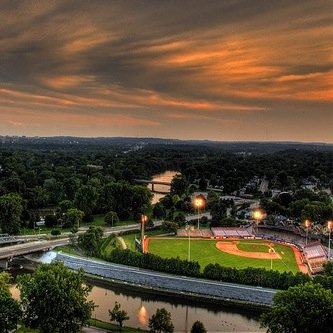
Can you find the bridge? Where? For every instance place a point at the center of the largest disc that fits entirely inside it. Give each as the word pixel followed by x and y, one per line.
pixel 153 182
pixel 9 252
pixel 7 239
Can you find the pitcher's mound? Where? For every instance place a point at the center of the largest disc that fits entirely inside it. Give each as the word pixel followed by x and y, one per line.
pixel 231 248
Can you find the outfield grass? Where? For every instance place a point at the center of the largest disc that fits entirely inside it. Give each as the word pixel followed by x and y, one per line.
pixel 205 252
pixel 130 239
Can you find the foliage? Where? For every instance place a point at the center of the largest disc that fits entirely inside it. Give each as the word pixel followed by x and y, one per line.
pixel 151 261
pixel 159 211
pixel 304 308
pixel 54 299
pixel 218 212
pixel 10 213
pixel 170 227
pixel 179 185
pixel 73 218
pixel 51 220
pixel 10 311
pixel 55 232
pixel 89 241
pixel 160 322
pixel 111 218
pixel 198 327
pixel 118 315
pixel 254 276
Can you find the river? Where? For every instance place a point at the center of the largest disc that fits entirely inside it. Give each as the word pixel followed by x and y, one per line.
pixel 163 177
pixel 141 306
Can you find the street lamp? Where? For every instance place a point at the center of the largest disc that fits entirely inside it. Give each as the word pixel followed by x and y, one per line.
pixel 307 225
pixel 199 202
pixel 144 219
pixel 329 226
pixel 258 216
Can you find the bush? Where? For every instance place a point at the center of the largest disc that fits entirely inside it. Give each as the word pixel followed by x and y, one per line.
pixel 154 262
pixel 55 232
pixel 111 218
pixel 50 221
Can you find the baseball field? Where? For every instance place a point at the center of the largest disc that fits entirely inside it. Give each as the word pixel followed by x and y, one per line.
pixel 229 253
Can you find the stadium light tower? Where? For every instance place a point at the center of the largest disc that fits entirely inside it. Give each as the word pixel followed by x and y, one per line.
pixel 329 226
pixel 144 219
pixel 307 225
pixel 258 216
pixel 189 228
pixel 198 203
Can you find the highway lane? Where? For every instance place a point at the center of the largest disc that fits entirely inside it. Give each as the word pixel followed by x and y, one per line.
pixel 27 248
pixel 178 284
pixel 43 245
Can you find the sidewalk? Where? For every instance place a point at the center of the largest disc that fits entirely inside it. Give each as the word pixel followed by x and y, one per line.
pixel 94 330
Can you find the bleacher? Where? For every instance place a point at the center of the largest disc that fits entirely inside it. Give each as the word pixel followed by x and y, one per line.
pixel 224 232
pixel 203 233
pixel 316 256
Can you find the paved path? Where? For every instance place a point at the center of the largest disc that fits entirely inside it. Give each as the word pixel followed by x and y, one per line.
pixel 168 282
pixel 93 330
pixel 122 242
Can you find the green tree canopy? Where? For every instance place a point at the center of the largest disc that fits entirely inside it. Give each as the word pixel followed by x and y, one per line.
pixel 111 218
pixel 179 185
pixel 160 322
pixel 54 299
pixel 10 213
pixel 198 327
pixel 118 315
pixel 10 311
pixel 73 217
pixel 304 308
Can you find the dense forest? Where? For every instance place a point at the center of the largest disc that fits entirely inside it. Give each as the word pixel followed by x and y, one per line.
pixel 96 180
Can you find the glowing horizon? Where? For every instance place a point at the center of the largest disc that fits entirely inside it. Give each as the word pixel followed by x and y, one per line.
pixel 226 71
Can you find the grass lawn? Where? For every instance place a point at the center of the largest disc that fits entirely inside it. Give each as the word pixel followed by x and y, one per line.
pixel 130 239
pixel 98 221
pixel 205 252
pixel 108 245
pixel 93 323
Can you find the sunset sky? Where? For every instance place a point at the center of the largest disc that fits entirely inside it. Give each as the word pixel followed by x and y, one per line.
pixel 217 70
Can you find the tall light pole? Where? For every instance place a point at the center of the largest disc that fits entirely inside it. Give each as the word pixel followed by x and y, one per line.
pixel 329 226
pixel 198 203
pixel 271 251
pixel 188 228
pixel 257 215
pixel 307 225
pixel 144 219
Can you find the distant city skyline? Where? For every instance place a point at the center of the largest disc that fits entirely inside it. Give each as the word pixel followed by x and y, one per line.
pixel 217 70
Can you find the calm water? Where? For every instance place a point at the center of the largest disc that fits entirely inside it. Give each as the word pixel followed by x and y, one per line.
pixel 140 307
pixel 163 177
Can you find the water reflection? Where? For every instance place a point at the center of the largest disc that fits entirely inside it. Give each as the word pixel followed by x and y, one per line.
pixel 142 315
pixel 163 177
pixel 141 306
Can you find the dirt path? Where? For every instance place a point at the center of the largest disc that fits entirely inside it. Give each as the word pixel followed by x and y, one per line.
pixel 231 248
pixel 122 242
pixel 93 330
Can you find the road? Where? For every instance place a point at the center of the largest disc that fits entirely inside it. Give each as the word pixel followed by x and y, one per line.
pixel 173 283
pixel 28 248
pixel 43 245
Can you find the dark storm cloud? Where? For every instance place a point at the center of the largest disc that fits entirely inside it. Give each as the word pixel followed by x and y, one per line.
pixel 143 65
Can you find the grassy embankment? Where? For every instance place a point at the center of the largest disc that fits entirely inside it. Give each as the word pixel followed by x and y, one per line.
pixel 95 323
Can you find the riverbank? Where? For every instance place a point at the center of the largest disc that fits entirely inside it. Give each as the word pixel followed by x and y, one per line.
pixel 167 284
pixel 95 326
